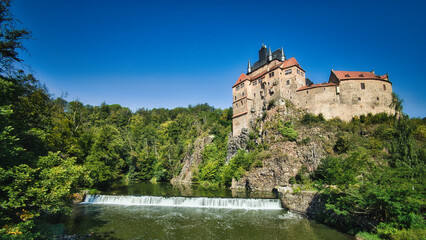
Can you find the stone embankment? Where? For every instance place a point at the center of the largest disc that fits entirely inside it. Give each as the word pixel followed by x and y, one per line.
pixel 308 203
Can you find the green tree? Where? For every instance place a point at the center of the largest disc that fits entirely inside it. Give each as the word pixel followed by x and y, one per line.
pixel 11 37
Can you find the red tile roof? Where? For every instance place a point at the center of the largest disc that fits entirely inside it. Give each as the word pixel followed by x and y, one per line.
pixel 290 62
pixel 287 63
pixel 346 75
pixel 316 86
pixel 241 79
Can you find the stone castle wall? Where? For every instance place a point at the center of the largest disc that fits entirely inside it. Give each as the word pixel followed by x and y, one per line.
pixel 347 99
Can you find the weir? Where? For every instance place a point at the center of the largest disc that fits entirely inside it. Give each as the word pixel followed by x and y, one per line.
pixel 194 202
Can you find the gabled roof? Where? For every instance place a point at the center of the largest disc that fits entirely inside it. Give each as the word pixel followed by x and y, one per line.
pixel 348 75
pixel 286 64
pixel 290 62
pixel 241 79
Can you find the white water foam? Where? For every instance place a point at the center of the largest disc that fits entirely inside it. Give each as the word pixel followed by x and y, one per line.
pixel 194 202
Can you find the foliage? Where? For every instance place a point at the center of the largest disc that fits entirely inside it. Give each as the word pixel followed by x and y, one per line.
pixel 287 130
pixel 11 36
pixel 309 118
pixel 377 175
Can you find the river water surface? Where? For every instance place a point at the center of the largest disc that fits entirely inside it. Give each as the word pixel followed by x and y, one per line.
pixel 127 212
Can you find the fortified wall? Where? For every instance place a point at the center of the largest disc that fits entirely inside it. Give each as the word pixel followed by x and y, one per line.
pixel 275 78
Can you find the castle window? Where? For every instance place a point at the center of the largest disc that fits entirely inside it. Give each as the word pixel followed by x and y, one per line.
pixel 254 83
pixel 384 87
pixel 243 94
pixel 288 82
pixel 378 98
pixel 242 84
pixel 301 73
pixel 238 88
pixel 307 92
pixel 287 72
pixel 359 99
pixel 235 98
pixel 271 74
pixel 254 94
pixel 362 85
pixel 298 71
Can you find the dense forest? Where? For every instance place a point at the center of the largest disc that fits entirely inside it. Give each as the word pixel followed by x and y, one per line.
pixel 51 149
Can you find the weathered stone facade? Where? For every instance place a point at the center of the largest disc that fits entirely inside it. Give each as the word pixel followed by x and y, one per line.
pixel 274 79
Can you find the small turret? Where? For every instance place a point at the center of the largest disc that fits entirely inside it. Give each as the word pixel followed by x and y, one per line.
pixel 282 54
pixel 269 54
pixel 249 67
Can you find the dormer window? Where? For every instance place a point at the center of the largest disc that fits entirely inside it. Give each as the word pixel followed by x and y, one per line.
pixel 347 75
pixel 361 75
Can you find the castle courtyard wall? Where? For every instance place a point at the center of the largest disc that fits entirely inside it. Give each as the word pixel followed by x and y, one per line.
pixel 348 99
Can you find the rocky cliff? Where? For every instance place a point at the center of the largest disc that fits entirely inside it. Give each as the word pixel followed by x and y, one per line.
pixel 192 160
pixel 283 159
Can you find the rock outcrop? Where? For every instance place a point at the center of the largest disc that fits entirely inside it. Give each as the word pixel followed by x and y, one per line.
pixel 308 203
pixel 283 159
pixel 192 160
pixel 236 143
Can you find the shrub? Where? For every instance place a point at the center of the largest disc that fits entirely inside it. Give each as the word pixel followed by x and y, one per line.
pixel 257 163
pixel 341 145
pixel 287 131
pixel 309 118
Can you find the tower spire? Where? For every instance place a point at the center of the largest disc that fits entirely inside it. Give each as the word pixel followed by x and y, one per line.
pixel 269 54
pixel 249 67
pixel 282 54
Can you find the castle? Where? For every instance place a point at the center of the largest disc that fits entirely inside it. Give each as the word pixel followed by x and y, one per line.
pixel 274 78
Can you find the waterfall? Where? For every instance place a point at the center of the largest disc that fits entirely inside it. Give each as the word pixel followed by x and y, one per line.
pixel 195 202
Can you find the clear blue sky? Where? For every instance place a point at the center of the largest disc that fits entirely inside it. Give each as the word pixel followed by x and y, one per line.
pixel 174 53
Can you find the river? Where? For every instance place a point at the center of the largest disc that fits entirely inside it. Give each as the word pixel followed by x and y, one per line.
pixel 164 211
